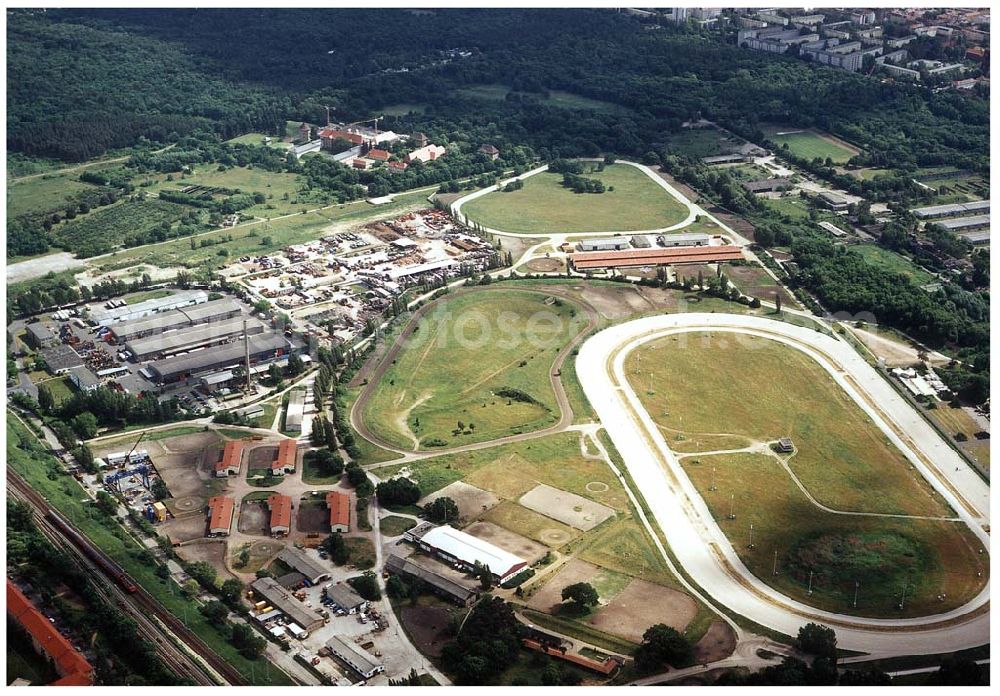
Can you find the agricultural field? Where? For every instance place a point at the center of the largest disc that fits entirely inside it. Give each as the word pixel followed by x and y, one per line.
pixel 258 139
pixel 753 388
pixel 811 144
pixel 701 142
pixel 544 205
pixel 891 261
pixel 480 358
pixel 107 228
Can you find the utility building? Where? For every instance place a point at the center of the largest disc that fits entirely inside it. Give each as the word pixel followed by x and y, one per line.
pixel 466 550
pixel 340 511
pixel 220 515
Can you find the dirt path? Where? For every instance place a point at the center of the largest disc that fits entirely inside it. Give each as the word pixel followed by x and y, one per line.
pixel 75 167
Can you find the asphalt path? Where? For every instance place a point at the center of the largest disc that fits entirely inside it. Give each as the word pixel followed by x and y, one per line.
pixel 701 547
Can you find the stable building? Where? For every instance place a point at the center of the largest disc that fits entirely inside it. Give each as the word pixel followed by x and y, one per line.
pixel 297 560
pixel 609 244
pixel 360 661
pixel 281 514
pixel 232 456
pixel 684 239
pixel 463 549
pixel 952 210
pixel 439 583
pixel 654 257
pixel 340 511
pixel 220 515
pixel 295 411
pixel 285 458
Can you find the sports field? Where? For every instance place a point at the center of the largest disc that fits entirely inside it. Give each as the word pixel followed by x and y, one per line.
pixel 726 387
pixel 480 359
pixel 544 205
pixel 811 144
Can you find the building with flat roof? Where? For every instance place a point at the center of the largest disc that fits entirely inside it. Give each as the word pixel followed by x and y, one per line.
pixel 189 366
pixel 965 224
pixel 61 358
pixel 952 210
pixel 281 514
pixel 684 239
pixel 340 511
pixel 346 598
pixel 188 338
pixel 71 666
pixel 654 257
pixel 269 590
pixel 607 244
pixel 458 547
pixel 767 185
pixel 298 560
pixel 833 201
pixel 232 456
pixel 832 229
pixel 285 458
pixel 220 515
pixel 731 158
pixel 39 335
pixel 103 316
pixel 191 315
pixel 84 379
pixel 440 583
pixel 295 411
pixel 978 237
pixel 354 657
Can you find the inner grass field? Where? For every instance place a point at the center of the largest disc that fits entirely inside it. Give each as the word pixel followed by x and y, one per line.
pixel 464 351
pixel 761 390
pixel 544 205
pixel 811 144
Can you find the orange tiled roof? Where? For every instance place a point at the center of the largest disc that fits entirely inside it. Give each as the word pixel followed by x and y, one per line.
pixel 70 664
pixel 281 511
pixel 652 257
pixel 220 510
pixel 340 508
pixel 287 452
pixel 231 455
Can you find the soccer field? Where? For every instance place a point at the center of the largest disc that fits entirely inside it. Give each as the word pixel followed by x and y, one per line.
pixel 544 205
pixel 811 144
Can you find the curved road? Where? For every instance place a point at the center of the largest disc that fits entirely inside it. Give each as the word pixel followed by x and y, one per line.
pixel 701 547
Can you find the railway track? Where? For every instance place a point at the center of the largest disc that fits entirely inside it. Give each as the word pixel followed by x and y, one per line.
pixel 148 613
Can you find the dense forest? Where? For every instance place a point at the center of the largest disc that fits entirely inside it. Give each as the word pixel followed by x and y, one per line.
pixel 242 70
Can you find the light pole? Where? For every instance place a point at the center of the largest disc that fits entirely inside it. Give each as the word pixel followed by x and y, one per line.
pixel 712 487
pixel 856 586
pixel 732 504
pixel 810 582
pixel 751 536
pixel 902 600
pixel 774 568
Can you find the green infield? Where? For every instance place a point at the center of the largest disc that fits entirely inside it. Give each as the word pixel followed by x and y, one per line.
pixel 724 391
pixel 733 384
pixel 812 144
pixel 476 368
pixel 931 558
pixel 544 205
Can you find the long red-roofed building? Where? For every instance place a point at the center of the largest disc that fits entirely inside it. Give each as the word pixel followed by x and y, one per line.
pixel 340 511
pixel 654 257
pixel 284 460
pixel 281 513
pixel 232 455
pixel 220 515
pixel 72 667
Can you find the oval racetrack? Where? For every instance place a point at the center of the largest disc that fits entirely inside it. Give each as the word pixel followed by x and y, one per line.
pixel 699 544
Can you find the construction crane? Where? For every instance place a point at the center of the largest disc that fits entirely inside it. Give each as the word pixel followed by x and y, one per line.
pixel 128 457
pixel 367 120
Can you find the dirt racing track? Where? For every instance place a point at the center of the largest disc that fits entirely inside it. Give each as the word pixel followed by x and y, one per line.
pixel 699 544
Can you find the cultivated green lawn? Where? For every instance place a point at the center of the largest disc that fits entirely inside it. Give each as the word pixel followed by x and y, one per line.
pixel 464 351
pixel 809 144
pixel 891 261
pixel 545 206
pixel 43 194
pixel 274 185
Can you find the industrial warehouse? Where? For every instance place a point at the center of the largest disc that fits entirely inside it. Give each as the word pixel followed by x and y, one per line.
pixel 182 368
pixel 152 324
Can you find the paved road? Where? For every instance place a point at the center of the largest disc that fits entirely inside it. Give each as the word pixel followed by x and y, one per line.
pixel 700 545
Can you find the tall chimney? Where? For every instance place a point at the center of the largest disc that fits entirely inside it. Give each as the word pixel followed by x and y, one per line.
pixel 246 346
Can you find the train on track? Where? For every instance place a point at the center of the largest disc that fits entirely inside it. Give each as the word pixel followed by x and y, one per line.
pixel 110 568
